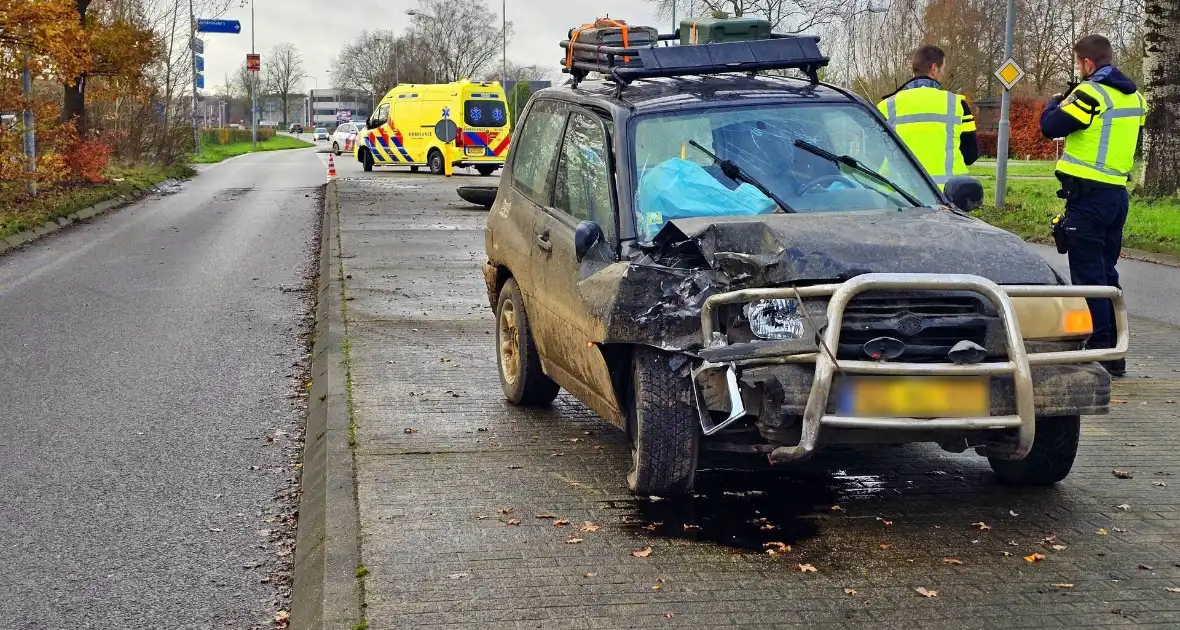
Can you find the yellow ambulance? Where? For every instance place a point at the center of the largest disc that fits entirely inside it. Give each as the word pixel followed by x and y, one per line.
pixel 401 131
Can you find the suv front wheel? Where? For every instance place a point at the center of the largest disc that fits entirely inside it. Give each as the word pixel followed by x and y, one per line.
pixel 663 424
pixel 1051 457
pixel 516 353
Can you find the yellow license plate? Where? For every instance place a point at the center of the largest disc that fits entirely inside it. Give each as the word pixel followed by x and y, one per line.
pixel 476 151
pixel 915 397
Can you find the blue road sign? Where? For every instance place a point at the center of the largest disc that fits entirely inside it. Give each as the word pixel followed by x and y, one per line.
pixel 200 81
pixel 232 27
pixel 200 63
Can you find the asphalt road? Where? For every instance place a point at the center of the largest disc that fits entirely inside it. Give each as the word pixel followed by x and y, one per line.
pixel 148 424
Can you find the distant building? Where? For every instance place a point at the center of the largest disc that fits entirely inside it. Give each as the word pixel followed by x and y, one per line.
pixel 329 107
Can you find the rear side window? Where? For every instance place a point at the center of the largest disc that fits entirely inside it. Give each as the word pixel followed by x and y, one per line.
pixel 536 150
pixel 485 113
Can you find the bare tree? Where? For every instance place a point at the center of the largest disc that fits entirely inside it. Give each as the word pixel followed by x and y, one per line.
pixel 284 73
pixel 517 73
pixel 1161 70
pixel 461 37
pixel 369 64
pixel 784 15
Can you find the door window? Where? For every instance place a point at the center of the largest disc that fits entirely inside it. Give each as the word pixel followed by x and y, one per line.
pixel 534 153
pixel 382 115
pixel 582 188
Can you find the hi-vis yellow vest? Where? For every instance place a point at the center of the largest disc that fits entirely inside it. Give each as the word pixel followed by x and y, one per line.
pixel 929 121
pixel 1104 151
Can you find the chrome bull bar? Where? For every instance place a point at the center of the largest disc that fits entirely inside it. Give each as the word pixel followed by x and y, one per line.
pixel 1018 364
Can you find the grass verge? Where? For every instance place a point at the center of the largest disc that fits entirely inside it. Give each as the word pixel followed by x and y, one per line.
pixel 24 214
pixel 1153 224
pixel 212 153
pixel 1043 168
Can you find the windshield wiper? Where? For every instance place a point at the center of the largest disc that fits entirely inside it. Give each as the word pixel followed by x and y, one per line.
pixel 848 160
pixel 735 172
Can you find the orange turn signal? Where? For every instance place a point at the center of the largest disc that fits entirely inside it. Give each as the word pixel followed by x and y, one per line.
pixel 1078 322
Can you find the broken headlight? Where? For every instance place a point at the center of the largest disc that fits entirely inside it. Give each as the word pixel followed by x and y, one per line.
pixel 780 319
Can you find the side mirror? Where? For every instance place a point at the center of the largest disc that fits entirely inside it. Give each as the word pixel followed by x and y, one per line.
pixel 587 234
pixel 965 192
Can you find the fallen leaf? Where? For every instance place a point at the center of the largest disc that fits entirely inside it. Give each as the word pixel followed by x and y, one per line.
pixel 1172 589
pixel 514 521
pixel 768 527
pixel 836 508
pixel 456 576
pixel 651 527
pixel 924 592
pixel 1121 474
pixel 589 574
pixel 955 561
pixel 1006 554
pixel 1012 513
pixel 657 587
pixel 1058 547
pixel 850 591
pixel 560 523
pixel 883 546
pixel 1146 567
pixel 692 528
pixel 642 553
pixel 1126 507
pixel 587 526
pixel 1120 530
pixel 572 541
pixel 1102 532
pixel 1118 401
pixel 1036 557
pixel 282 616
pixel 805 568
pixel 669 615
pixel 1013 543
pixel 983 527
pixel 514 467
pixel 886 523
pixel 506 511
pixel 1159 484
pixel 1062 585
pixel 773 548
pixel 546 516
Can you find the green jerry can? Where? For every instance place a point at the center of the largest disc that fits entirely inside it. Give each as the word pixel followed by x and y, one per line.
pixel 710 30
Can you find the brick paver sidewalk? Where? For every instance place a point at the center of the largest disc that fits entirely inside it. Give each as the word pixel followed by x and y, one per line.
pixel 447 469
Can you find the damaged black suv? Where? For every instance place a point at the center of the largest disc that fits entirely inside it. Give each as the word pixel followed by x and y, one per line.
pixel 713 258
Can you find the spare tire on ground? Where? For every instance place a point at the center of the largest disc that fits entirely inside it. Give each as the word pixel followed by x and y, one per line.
pixel 479 195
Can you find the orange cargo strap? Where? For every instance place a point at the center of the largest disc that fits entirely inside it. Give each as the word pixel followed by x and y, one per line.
pixel 598 23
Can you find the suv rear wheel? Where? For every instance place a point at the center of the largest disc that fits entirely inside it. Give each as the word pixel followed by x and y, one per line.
pixel 516 353
pixel 1051 457
pixel 664 434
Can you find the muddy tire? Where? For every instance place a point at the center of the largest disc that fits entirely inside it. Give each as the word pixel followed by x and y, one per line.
pixel 1051 457
pixel 435 160
pixel 367 161
pixel 486 171
pixel 665 434
pixel 516 353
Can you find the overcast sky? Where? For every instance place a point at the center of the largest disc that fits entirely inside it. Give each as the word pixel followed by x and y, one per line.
pixel 539 26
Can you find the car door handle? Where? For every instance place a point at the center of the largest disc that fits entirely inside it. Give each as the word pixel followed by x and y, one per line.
pixel 543 241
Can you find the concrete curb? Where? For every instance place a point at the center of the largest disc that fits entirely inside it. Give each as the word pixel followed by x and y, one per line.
pixel 327 548
pixel 1151 257
pixel 16 241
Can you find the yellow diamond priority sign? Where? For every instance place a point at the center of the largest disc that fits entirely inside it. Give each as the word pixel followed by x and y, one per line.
pixel 1010 73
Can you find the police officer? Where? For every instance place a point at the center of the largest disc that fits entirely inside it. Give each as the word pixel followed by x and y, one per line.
pixel 1100 119
pixel 935 124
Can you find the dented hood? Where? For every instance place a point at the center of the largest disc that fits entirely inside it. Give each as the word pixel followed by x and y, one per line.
pixel 784 248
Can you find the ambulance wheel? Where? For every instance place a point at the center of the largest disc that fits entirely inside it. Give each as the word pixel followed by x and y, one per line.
pixel 366 161
pixel 336 148
pixel 413 169
pixel 485 170
pixel 435 159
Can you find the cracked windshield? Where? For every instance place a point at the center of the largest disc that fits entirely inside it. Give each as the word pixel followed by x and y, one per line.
pixel 679 179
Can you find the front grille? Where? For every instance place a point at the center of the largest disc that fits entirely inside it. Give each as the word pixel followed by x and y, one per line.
pixel 929 324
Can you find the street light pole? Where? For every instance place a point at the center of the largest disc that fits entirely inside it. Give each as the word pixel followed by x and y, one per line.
pixel 1005 107
pixel 192 16
pixel 254 90
pixel 504 45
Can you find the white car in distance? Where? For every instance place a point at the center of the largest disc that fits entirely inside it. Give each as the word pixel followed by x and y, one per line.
pixel 346 132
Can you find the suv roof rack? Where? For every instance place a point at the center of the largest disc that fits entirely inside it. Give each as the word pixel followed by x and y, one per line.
pixel 626 64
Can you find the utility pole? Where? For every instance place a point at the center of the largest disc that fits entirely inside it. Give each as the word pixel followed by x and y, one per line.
pixel 192 16
pixel 26 88
pixel 1005 107
pixel 504 46
pixel 253 87
pixel 674 24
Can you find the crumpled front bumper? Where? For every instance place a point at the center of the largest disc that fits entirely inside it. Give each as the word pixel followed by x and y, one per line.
pixel 1024 384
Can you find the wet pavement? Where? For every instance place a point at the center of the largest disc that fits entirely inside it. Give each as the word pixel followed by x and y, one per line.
pixel 475 513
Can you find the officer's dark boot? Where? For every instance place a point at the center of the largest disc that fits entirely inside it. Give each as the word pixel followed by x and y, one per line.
pixel 1116 368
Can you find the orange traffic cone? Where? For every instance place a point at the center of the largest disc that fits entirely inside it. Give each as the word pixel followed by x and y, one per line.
pixel 331 166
